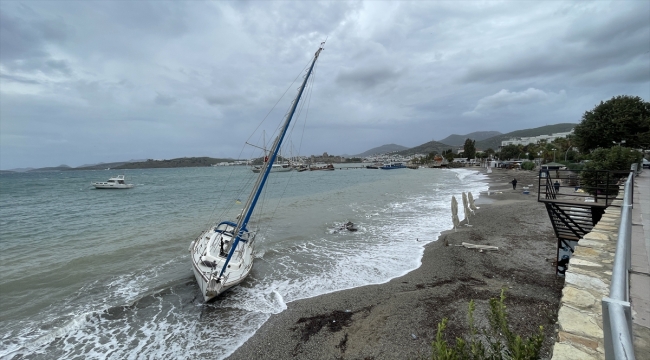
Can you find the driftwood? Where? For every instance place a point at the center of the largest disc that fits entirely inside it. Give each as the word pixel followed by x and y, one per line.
pixel 480 247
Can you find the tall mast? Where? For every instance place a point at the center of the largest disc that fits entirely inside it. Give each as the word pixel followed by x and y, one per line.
pixel 264 174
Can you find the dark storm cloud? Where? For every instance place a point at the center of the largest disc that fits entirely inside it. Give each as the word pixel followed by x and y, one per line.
pixel 24 42
pixel 164 100
pixel 366 78
pixel 108 81
pixel 593 42
pixel 218 100
pixel 25 39
pixel 18 79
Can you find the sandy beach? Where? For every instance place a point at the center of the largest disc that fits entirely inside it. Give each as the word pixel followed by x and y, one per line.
pixel 398 319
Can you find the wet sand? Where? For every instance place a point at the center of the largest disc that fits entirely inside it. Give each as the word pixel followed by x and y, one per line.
pixel 398 319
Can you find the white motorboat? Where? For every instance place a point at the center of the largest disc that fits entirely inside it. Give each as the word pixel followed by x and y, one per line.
pixel 117 182
pixel 222 256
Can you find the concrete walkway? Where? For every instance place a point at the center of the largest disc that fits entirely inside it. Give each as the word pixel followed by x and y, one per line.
pixel 640 274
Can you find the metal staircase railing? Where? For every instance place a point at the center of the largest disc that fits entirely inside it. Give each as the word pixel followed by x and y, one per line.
pixel 575 201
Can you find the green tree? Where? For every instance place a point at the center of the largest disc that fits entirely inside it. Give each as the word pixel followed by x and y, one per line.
pixel 528 165
pixel 469 150
pixel 619 118
pixel 617 158
pixel 449 155
pixel 510 152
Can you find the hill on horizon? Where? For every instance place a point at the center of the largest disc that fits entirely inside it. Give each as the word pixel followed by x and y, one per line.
pixel 459 140
pixel 384 149
pixel 495 142
pixel 135 164
pixel 426 148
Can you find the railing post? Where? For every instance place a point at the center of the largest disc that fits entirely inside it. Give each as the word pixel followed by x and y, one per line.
pixel 607 330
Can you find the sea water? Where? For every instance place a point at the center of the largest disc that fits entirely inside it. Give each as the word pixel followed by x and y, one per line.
pixel 89 273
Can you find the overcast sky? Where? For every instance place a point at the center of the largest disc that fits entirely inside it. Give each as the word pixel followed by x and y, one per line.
pixel 85 82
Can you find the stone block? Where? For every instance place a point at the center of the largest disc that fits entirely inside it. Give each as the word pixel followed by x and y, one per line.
pixel 588 282
pixel 591 272
pixel 575 339
pixel 586 252
pixel 578 297
pixel 579 323
pixel 606 227
pixel 581 262
pixel 593 243
pixel 563 351
pixel 594 235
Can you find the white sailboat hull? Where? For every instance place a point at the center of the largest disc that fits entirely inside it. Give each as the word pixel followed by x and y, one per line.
pixel 205 251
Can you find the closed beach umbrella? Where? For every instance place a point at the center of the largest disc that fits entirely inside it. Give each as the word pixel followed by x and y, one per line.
pixel 454 212
pixel 466 207
pixel 470 199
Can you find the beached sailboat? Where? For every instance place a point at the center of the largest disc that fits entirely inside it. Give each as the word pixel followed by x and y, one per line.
pixel 222 256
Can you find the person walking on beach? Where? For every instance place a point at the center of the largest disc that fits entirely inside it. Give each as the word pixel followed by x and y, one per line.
pixel 556 186
pixel 514 184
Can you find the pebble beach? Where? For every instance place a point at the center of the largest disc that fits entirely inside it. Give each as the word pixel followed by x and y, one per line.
pixel 398 319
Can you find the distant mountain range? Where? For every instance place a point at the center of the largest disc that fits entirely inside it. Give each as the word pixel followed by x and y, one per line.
pixel 426 148
pixel 484 140
pixel 384 149
pixel 133 164
pixel 459 140
pixel 495 142
pixel 486 143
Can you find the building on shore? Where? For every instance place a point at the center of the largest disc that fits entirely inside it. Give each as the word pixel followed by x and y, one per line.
pixel 535 139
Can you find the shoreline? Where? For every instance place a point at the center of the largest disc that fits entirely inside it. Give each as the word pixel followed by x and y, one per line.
pixel 398 319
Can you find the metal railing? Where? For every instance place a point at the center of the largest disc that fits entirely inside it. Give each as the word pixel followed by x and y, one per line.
pixel 594 186
pixel 617 314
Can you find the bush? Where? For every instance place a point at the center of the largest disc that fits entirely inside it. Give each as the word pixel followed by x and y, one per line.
pixel 575 166
pixel 501 342
pixel 617 158
pixel 528 165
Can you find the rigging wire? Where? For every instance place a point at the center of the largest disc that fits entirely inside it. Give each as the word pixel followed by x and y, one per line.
pixel 246 184
pixel 310 88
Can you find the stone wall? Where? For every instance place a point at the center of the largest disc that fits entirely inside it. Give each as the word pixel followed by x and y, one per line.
pixel 580 320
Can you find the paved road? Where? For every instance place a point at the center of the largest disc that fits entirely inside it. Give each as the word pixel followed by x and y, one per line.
pixel 640 274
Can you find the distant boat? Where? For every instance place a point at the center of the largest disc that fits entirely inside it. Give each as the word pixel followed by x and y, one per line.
pixel 391 166
pixel 324 167
pixel 274 168
pixel 117 182
pixel 374 166
pixel 222 256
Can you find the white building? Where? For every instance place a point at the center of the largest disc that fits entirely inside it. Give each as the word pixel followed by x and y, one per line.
pixel 535 139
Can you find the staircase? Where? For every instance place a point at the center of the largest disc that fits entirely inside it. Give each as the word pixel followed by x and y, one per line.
pixel 572 215
pixel 571 221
